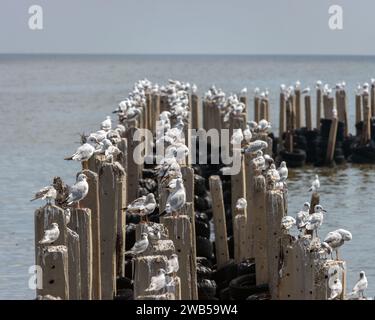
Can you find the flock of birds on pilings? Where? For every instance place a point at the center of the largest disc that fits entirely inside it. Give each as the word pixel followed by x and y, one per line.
pixel 170 135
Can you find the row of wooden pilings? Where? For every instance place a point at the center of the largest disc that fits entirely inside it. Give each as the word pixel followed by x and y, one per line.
pixel 89 255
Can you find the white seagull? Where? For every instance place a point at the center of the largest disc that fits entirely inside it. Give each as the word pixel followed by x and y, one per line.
pixel 140 246
pixel 255 146
pixel 302 216
pixel 79 190
pixel 287 222
pixel 51 235
pixel 48 193
pixel 173 265
pixel 176 199
pixel 361 285
pixel 241 204
pixel 315 185
pixel 143 206
pixel 336 239
pixel 283 171
pixel 336 288
pixel 158 282
pixel 106 125
pixel 315 220
pixel 85 151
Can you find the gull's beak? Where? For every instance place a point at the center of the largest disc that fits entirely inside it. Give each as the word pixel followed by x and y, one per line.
pixel 324 210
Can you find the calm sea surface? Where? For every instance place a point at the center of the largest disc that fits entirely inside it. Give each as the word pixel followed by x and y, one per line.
pixel 46 101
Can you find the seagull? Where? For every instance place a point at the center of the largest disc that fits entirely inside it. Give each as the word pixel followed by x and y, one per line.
pixel 140 246
pixel 143 206
pixel 194 88
pixel 173 265
pixel 110 151
pixel 319 84
pixel 269 160
pixel 336 288
pixel 315 220
pixel 252 125
pixel 237 137
pixel 287 222
pixel 51 235
pixel 79 190
pixel 85 151
pixel 241 204
pixel 244 91
pixel 247 134
pixel 131 114
pixel 255 146
pixel 259 162
pixel 62 191
pixel 264 125
pixel 273 175
pixel 47 193
pixel 302 216
pixel 106 125
pixel 67 215
pixel 336 239
pixel 283 171
pixel 306 91
pixel 315 185
pixel 361 285
pixel 176 199
pixel 157 282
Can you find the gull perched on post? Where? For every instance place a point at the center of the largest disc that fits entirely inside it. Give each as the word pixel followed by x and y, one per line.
pixel 336 239
pixel 158 282
pixel 315 220
pixel 303 216
pixel 47 193
pixel 85 151
pixel 336 288
pixel 106 125
pixel 255 146
pixel 140 246
pixel 272 176
pixel 173 265
pixel 315 185
pixel 176 199
pixel 283 172
pixel 79 190
pixel 360 286
pixel 143 206
pixel 51 235
pixel 241 204
pixel 287 222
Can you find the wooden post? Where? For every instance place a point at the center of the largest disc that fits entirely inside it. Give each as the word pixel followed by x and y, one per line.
pixel 134 170
pixel 263 109
pixel 74 266
pixel 260 229
pixel 91 201
pixel 180 232
pixel 238 189
pixel 221 244
pixel 323 275
pixel 372 99
pixel 54 264
pixel 366 132
pixel 196 112
pixel 308 112
pixel 318 107
pixel 108 228
pixel 249 179
pixel 257 109
pixel 282 128
pixel 298 108
pixel 145 267
pixel 274 212
pixel 332 140
pixel 358 108
pixel 240 236
pixel 289 124
pixel 342 110
pixel 155 110
pixel 121 226
pixel 80 222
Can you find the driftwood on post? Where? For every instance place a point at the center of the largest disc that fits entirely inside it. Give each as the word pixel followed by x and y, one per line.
pixel 91 201
pixel 80 222
pixel 54 263
pixel 74 266
pixel 221 244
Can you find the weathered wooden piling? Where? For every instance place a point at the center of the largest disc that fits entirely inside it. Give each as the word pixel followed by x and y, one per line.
pixel 307 101
pixel 366 132
pixel 221 244
pixel 282 126
pixel 274 212
pixel 180 232
pixel 134 170
pixel 91 201
pixel 55 276
pixel 318 107
pixel 332 140
pixel 257 109
pixel 358 108
pixel 196 112
pixel 80 222
pixel 74 265
pixel 297 108
pixel 342 112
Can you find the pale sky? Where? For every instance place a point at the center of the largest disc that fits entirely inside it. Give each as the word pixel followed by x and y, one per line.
pixel 188 27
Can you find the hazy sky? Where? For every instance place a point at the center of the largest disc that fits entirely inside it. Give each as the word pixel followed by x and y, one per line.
pixel 188 26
